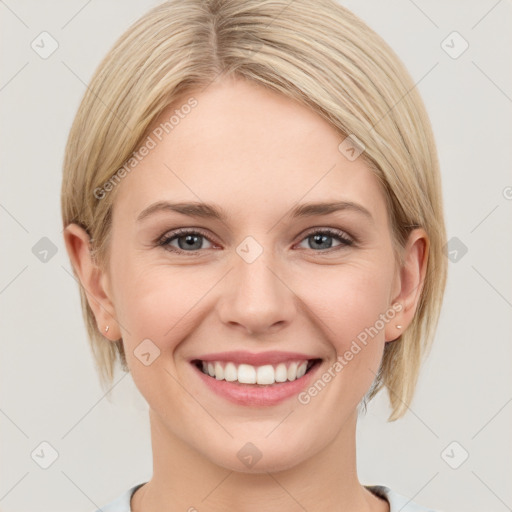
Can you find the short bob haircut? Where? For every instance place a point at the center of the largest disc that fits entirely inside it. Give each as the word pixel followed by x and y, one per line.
pixel 314 51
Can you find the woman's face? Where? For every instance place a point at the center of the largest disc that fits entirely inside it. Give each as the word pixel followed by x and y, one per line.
pixel 265 286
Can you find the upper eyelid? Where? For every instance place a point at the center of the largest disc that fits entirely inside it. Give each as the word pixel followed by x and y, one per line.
pixel 334 231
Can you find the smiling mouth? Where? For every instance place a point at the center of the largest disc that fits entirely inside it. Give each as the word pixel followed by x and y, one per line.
pixel 264 375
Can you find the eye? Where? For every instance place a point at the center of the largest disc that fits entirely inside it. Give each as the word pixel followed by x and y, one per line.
pixel 191 241
pixel 187 241
pixel 322 239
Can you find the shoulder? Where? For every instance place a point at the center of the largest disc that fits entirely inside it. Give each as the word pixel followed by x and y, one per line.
pixel 396 501
pixel 121 503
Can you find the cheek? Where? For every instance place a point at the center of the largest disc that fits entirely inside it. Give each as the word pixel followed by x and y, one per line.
pixel 157 307
pixel 158 303
pixel 351 303
pixel 345 304
pixel 350 299
pixel 163 304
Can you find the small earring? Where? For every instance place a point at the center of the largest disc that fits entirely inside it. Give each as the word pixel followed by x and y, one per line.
pixel 106 329
pixel 398 326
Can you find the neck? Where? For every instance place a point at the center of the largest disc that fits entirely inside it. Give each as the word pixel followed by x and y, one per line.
pixel 183 479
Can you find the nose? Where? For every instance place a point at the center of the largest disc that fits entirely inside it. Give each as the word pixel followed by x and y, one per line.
pixel 257 297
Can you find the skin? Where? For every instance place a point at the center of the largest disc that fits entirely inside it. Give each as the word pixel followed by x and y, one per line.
pixel 256 154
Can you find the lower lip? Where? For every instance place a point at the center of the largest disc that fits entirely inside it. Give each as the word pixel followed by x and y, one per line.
pixel 254 394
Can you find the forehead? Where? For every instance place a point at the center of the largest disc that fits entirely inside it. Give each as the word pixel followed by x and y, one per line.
pixel 249 149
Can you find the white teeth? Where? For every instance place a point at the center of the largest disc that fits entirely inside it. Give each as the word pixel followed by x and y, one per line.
pixel 301 370
pixel 230 373
pixel 219 371
pixel 262 375
pixel 246 374
pixel 292 371
pixel 265 374
pixel 281 374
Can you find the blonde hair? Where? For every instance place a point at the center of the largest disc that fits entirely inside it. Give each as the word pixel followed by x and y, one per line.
pixel 313 51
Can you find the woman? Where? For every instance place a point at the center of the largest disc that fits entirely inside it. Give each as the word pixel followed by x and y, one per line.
pixel 252 205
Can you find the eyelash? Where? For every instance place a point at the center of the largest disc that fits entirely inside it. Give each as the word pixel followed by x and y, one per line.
pixel 165 240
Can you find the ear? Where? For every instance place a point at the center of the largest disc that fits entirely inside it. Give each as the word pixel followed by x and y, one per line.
pixel 94 280
pixel 409 281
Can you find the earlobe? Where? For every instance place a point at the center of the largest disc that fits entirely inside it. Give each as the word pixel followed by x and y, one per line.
pixel 411 281
pixel 92 278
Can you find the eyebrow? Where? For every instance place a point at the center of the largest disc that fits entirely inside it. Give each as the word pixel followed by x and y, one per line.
pixel 211 211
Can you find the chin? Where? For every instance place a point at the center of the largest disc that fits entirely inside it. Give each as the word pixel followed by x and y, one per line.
pixel 259 457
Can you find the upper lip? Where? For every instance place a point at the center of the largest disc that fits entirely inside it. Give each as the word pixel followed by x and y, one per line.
pixel 255 359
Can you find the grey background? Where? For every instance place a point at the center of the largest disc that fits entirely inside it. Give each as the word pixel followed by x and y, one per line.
pixel 49 390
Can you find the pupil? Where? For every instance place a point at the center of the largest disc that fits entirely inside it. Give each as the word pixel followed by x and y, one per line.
pixel 190 240
pixel 319 239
